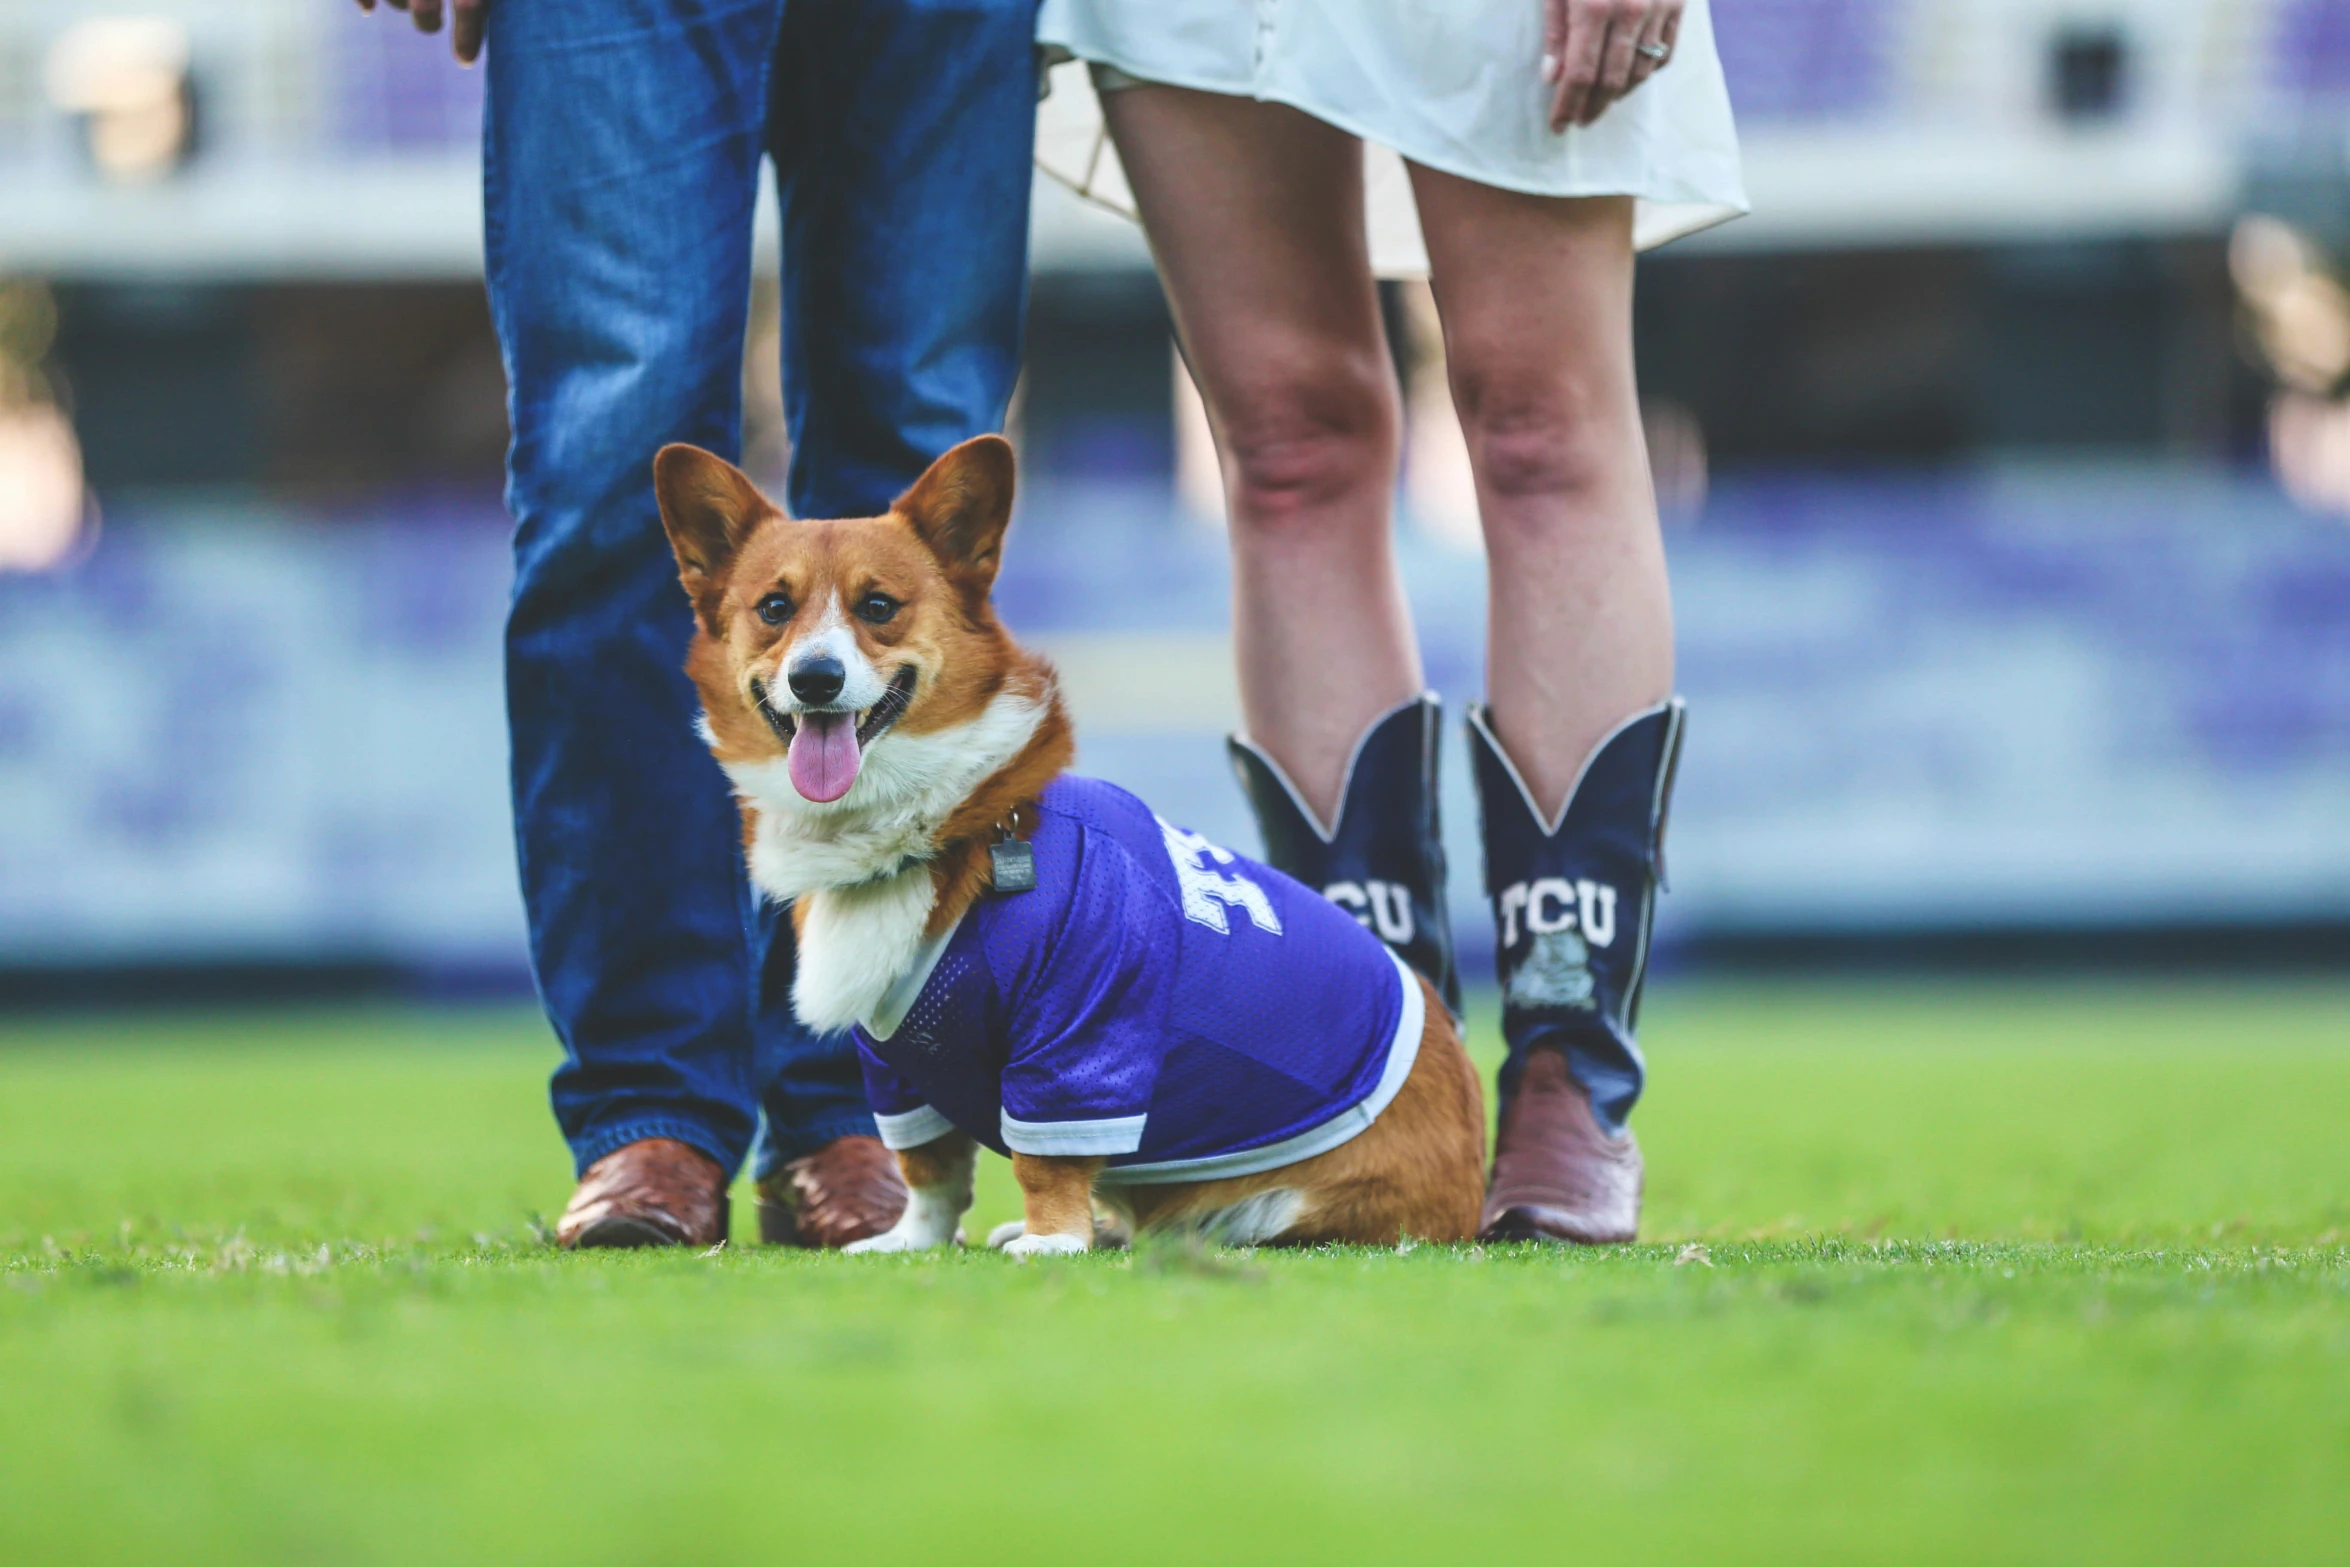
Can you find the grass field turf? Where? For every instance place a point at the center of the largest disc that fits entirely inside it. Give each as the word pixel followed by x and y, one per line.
pixel 1989 1274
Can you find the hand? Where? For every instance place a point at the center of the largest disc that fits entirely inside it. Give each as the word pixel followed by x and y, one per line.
pixel 464 35
pixel 1590 51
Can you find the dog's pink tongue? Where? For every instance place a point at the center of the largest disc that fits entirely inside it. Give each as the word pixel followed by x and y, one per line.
pixel 824 756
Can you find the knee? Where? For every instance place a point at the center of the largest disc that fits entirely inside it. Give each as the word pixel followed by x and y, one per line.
pixel 1296 452
pixel 1546 435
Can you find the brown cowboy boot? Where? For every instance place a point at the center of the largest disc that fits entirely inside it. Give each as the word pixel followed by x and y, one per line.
pixel 1574 894
pixel 658 1192
pixel 1556 1174
pixel 844 1191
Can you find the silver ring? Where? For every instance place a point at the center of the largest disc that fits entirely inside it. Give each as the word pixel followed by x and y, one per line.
pixel 1660 53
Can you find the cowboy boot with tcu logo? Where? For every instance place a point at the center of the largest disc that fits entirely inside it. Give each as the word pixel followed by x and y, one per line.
pixel 1573 899
pixel 1383 861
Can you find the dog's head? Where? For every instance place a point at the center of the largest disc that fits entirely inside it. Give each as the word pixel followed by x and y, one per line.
pixel 825 641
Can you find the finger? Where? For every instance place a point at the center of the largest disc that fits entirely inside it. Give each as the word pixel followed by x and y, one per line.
pixel 1597 95
pixel 1554 39
pixel 366 5
pixel 1586 32
pixel 426 14
pixel 1579 60
pixel 469 18
pixel 1615 61
pixel 1652 36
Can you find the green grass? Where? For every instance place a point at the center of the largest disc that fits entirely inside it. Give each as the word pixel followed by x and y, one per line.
pixel 1965 1274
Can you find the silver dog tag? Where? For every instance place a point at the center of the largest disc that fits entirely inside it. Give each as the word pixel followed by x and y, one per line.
pixel 1014 865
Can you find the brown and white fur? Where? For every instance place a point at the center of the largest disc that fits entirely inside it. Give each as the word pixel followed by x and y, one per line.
pixel 870 809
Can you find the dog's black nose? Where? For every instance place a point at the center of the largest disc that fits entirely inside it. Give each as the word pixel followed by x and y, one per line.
pixel 818 680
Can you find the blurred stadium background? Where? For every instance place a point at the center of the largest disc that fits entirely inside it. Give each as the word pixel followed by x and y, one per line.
pixel 2006 475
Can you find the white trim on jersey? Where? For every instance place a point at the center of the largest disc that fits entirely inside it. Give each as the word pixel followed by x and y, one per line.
pixel 1074 1139
pixel 912 1128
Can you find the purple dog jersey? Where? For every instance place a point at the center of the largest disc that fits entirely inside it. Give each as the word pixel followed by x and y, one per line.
pixel 1174 1008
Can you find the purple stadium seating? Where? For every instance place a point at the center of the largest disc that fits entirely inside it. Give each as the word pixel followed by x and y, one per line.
pixel 395 90
pixel 1794 60
pixel 2309 54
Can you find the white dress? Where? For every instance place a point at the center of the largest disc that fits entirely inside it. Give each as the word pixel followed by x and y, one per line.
pixel 1453 86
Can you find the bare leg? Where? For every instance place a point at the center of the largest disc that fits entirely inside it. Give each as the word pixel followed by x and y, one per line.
pixel 1255 216
pixel 1536 297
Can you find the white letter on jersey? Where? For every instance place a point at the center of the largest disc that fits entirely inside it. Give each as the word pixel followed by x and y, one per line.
pixel 1207 892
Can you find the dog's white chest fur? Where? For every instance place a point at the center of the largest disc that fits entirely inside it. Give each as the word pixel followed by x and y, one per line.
pixel 861 865
pixel 855 942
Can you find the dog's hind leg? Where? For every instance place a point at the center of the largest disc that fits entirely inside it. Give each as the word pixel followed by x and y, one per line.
pixel 1254 1220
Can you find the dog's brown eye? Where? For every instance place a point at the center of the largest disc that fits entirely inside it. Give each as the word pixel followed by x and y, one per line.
pixel 876 608
pixel 775 609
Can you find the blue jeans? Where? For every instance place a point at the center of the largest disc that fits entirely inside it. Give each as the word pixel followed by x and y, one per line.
pixel 622 153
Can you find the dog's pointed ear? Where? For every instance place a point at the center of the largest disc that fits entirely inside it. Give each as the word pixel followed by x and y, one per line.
pixel 708 506
pixel 961 507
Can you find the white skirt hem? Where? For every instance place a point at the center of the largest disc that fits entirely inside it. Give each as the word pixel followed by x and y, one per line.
pixel 1667 207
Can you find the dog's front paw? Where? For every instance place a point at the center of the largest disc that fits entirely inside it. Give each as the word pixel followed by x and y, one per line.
pixel 901 1237
pixel 1025 1246
pixel 933 1218
pixel 1110 1233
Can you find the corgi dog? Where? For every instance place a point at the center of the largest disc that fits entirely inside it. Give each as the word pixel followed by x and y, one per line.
pixel 1032 961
